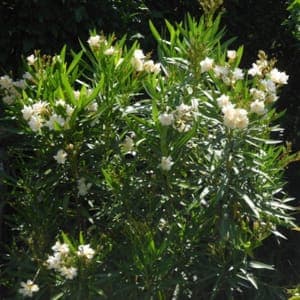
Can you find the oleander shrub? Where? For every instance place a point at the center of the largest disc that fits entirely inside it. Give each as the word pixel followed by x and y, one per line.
pixel 139 179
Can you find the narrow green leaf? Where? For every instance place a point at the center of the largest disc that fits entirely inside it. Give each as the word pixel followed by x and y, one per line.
pixel 260 265
pixel 74 62
pixel 251 205
pixel 154 31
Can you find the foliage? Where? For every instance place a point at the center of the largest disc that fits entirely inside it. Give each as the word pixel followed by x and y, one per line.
pixel 293 22
pixel 151 180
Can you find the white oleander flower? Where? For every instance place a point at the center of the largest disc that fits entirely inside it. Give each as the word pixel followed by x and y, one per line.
pixel 183 110
pixel 156 68
pixel 138 53
pixel 28 288
pixel 128 144
pixel 242 120
pixel 8 99
pixel 110 51
pixel 279 77
pixel 166 119
pixel 60 102
pixel 39 107
pixel 231 54
pixel 151 67
pixel 55 119
pixel 206 64
pixel 223 101
pixel 269 86
pixel 21 84
pixel 68 273
pixel 166 163
pixel 27 112
pixel 95 41
pixel 27 76
pixel 93 106
pixel 255 70
pixel 257 107
pixel 221 72
pixel 257 94
pixel 31 59
pixel 237 74
pixel 85 251
pixel 6 82
pixel 272 97
pixel 61 156
pixel 235 118
pixel 137 60
pixel 61 248
pixel 54 261
pixel 35 123
pixel 69 110
pixel 83 187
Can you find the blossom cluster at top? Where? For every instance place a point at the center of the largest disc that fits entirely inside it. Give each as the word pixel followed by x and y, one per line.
pixel 265 83
pixel 139 60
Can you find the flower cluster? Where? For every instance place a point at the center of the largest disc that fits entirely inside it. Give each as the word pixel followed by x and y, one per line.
pixel 63 259
pixel 233 117
pixel 140 63
pixel 226 73
pixel 9 88
pixel 40 114
pixel 265 83
pixel 182 117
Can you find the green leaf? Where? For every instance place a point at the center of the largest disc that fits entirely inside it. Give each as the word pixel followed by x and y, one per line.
pixel 260 265
pixel 154 31
pixel 74 62
pixel 251 205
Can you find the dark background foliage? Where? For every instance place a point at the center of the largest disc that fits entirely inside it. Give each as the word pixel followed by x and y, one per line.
pixel 48 25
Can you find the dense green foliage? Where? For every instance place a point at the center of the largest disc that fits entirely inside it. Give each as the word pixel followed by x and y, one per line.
pixel 161 180
pixel 48 25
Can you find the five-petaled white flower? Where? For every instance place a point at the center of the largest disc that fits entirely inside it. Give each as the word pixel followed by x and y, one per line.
pixel 279 77
pixel 54 261
pixel 257 107
pixel 60 248
pixel 206 64
pixel 61 156
pixel 95 41
pixel 85 251
pixel 166 119
pixel 28 288
pixel 68 273
pixel 31 59
pixel 235 117
pixel 166 163
pixel 83 187
pixel 231 54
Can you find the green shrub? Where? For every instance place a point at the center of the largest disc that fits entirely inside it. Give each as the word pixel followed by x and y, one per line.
pixel 151 180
